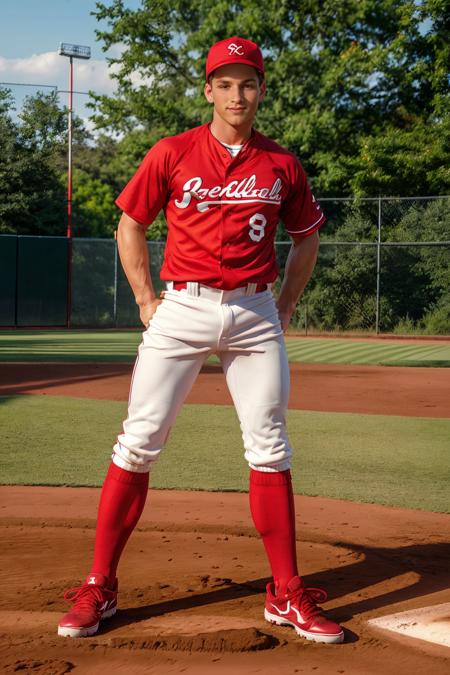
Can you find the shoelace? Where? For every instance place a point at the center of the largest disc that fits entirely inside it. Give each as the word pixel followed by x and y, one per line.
pixel 307 599
pixel 87 596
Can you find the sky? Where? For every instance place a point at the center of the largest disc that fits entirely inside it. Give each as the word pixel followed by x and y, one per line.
pixel 30 33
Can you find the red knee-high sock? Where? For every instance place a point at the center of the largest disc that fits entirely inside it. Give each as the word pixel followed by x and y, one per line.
pixel 273 512
pixel 121 504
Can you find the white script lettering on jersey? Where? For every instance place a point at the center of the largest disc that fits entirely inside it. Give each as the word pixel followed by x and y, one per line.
pixel 244 191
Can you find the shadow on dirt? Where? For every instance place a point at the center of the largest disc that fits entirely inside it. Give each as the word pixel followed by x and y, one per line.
pixel 375 566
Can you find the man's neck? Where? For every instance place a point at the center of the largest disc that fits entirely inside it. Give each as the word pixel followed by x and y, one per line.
pixel 225 133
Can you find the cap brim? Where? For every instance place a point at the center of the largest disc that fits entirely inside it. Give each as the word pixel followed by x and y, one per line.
pixel 227 61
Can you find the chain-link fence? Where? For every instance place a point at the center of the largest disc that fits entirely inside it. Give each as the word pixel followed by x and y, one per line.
pixel 383 266
pixel 101 295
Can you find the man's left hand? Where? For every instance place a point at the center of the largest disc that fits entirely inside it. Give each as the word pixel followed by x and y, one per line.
pixel 285 318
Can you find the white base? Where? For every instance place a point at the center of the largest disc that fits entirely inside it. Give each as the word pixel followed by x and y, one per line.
pixel 426 623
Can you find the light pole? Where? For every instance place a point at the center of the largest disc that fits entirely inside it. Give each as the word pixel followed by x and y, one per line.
pixel 73 52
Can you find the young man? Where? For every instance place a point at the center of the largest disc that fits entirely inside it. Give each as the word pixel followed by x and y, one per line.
pixel 223 188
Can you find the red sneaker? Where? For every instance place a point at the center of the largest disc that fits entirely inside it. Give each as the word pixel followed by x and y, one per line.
pixel 298 608
pixel 92 602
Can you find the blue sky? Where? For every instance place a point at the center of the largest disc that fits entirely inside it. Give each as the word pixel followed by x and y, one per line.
pixel 30 32
pixel 35 26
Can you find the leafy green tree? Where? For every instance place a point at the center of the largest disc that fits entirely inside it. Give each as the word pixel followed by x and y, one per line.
pixel 31 196
pixel 10 203
pixel 342 292
pixel 95 214
pixel 43 124
pixel 43 128
pixel 33 172
pixel 112 163
pixel 341 75
pixel 405 161
pixel 416 279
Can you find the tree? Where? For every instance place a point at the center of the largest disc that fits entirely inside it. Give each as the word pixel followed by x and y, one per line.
pixel 95 214
pixel 31 196
pixel 33 172
pixel 43 124
pixel 8 163
pixel 407 161
pixel 416 279
pixel 340 73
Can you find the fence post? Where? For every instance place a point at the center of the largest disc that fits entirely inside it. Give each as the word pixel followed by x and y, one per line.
pixel 115 280
pixel 306 316
pixel 69 281
pixel 16 289
pixel 377 312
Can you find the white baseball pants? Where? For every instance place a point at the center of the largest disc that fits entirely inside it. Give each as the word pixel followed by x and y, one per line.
pixel 188 326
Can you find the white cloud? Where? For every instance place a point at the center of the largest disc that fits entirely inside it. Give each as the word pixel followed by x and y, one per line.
pixel 52 69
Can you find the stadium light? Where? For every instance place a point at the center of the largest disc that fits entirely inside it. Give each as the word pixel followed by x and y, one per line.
pixel 73 52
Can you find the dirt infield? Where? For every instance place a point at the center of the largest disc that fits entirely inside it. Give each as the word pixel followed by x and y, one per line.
pixel 192 581
pixel 193 575
pixel 417 392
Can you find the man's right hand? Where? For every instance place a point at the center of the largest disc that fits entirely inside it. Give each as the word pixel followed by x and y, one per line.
pixel 135 259
pixel 147 310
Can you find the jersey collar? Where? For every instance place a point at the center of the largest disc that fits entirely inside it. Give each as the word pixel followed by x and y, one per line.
pixel 246 148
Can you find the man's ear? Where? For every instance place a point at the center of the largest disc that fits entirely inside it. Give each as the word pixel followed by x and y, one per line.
pixel 208 92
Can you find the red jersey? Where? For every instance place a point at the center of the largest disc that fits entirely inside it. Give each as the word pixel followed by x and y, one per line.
pixel 222 212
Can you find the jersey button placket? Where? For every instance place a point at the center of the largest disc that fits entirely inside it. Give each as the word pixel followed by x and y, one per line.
pixel 222 230
pixel 224 216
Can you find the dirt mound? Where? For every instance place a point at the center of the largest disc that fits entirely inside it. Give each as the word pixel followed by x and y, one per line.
pixel 192 580
pixel 233 640
pixel 37 667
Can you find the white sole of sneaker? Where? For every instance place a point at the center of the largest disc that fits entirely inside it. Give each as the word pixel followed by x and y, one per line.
pixel 316 637
pixel 67 631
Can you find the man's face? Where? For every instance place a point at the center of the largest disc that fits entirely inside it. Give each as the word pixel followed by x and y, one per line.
pixel 236 92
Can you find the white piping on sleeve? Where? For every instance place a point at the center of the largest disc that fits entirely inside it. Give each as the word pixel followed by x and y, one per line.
pixel 306 228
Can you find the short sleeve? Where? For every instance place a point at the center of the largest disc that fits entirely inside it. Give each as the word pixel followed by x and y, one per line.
pixel 146 193
pixel 300 213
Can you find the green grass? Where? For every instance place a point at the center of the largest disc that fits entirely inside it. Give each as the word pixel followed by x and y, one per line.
pixel 65 345
pixel 399 461
pixel 320 350
pixel 120 346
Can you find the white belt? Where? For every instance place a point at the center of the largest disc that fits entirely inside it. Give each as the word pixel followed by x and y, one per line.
pixel 197 289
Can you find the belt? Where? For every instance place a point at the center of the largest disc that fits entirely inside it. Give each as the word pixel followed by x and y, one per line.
pixel 180 285
pixel 196 288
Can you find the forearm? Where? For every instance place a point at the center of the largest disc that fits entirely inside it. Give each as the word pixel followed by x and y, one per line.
pixel 135 259
pixel 298 270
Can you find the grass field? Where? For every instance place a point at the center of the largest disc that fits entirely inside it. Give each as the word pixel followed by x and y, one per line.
pixel 120 346
pixel 400 461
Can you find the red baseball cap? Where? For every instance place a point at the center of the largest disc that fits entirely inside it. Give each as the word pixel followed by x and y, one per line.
pixel 234 50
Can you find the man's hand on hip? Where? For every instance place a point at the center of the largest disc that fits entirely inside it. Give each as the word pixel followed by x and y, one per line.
pixel 285 316
pixel 147 310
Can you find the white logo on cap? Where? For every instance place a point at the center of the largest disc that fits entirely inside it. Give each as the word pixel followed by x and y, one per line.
pixel 235 49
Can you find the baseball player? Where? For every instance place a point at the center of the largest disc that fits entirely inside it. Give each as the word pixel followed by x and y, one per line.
pixel 223 188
